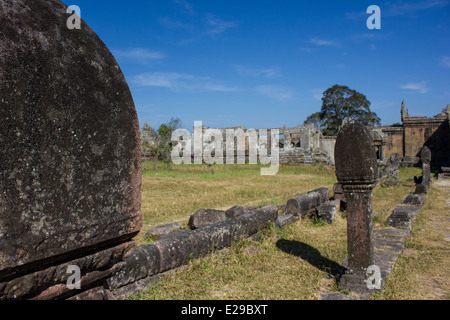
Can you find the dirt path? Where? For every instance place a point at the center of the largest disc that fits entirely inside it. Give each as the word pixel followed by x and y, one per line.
pixel 444 186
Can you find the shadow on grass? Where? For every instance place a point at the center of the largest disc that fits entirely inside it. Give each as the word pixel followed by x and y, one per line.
pixel 312 256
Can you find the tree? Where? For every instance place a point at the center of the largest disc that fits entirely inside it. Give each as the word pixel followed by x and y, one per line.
pixel 339 103
pixel 164 140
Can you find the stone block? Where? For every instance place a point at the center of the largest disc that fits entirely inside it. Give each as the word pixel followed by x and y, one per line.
pixel 163 231
pixel 234 212
pixel 326 213
pixel 206 217
pixel 402 216
pixel 306 203
pixel 286 219
pixel 178 250
pixel 414 199
pixel 421 189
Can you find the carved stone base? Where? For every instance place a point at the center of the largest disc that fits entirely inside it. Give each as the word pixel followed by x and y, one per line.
pixel 359 284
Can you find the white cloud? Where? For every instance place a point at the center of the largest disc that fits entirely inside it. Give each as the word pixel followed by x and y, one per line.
pixel 180 81
pixel 139 54
pixel 275 92
pixel 402 8
pixel 322 42
pixel 408 8
pixel 445 62
pixel 420 87
pixel 186 6
pixel 250 72
pixel 218 26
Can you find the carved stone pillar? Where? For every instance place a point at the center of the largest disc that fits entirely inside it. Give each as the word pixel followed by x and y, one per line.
pixel 356 171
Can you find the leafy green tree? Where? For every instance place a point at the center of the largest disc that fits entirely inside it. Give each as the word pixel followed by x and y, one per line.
pixel 339 103
pixel 164 141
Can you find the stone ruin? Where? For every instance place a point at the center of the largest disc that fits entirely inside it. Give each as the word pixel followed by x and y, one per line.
pixel 71 166
pixel 371 253
pixel 356 171
pixel 71 174
pixel 303 144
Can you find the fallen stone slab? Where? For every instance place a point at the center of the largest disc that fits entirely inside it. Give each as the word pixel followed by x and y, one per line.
pixel 206 217
pixel 163 231
pixel 235 212
pixel 141 262
pixel 174 251
pixel 326 213
pixel 286 219
pixel 402 216
pixel 421 189
pixel 414 200
pixel 445 173
pixel 306 203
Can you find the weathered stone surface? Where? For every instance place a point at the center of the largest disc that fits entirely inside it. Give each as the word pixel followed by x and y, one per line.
pixel 162 231
pixel 206 217
pixel 356 170
pixel 50 283
pixel 234 212
pixel 69 137
pixel 286 219
pixel 357 162
pixel 402 216
pixel 388 244
pixel 445 173
pixel 307 203
pixel 141 262
pixel 178 250
pixel 97 294
pixel 425 155
pixel 414 199
pixel 326 213
pixel 338 192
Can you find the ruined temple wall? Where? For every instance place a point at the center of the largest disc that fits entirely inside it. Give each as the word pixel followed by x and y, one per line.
pixel 394 142
pixel 327 145
pixel 421 131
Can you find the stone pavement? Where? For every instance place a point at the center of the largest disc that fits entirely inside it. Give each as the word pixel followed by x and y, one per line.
pixel 388 244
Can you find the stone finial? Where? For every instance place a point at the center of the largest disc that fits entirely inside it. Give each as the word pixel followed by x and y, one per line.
pixel 355 157
pixel 425 155
pixel 404 111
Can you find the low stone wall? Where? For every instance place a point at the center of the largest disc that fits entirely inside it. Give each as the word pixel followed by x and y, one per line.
pixel 146 264
pixel 176 250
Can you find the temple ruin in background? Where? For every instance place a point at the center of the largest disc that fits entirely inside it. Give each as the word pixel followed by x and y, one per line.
pixel 306 144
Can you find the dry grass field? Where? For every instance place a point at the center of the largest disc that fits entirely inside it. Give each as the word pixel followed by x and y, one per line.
pixel 294 263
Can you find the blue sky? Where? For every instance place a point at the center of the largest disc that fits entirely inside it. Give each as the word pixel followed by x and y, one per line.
pixel 266 63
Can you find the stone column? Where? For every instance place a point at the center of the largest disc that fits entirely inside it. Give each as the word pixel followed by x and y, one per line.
pixel 425 157
pixel 287 140
pixel 356 170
